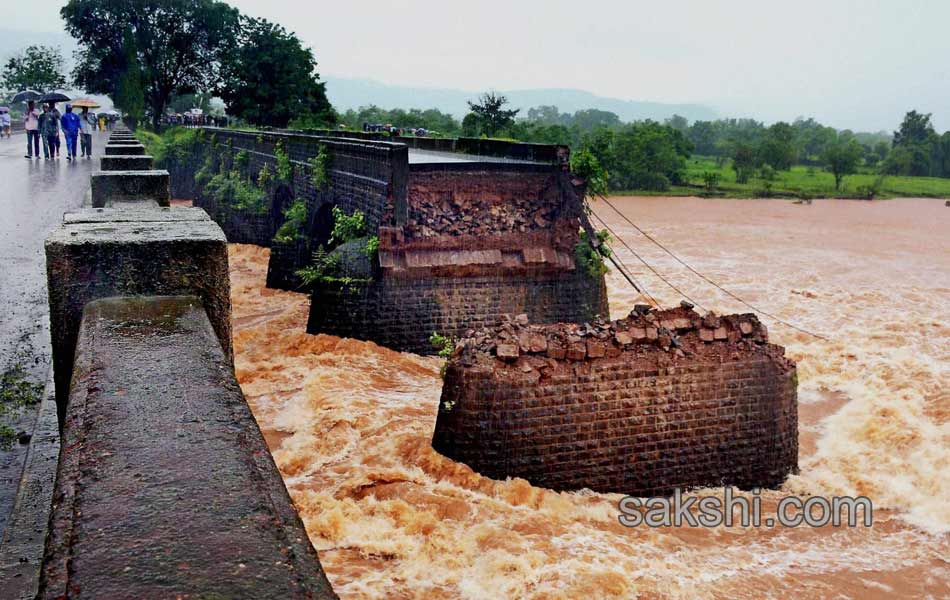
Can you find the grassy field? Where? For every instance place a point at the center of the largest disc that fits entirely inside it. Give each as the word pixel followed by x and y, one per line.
pixel 800 181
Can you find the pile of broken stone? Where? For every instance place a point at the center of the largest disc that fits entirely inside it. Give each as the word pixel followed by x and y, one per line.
pixel 477 217
pixel 679 331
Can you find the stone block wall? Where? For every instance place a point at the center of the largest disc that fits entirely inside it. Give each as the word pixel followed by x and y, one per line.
pixel 365 175
pixel 403 312
pixel 642 406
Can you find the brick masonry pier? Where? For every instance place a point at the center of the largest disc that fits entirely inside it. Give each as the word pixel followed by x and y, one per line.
pixel 164 487
pixel 641 406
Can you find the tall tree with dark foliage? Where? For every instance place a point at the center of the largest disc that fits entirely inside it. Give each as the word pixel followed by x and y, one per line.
pixel 271 78
pixel 178 45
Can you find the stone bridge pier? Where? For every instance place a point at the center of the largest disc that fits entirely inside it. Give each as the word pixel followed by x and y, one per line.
pixel 164 486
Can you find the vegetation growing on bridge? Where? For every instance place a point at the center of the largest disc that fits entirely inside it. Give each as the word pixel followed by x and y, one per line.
pixel 227 177
pixel 589 259
pixel 293 227
pixel 320 166
pixel 326 267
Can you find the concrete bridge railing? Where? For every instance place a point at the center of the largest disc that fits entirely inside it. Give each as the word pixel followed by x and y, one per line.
pixel 164 486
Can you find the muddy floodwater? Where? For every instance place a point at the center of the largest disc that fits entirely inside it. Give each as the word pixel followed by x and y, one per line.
pixel 350 423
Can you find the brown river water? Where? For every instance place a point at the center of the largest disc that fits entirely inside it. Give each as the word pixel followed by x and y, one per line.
pixel 349 424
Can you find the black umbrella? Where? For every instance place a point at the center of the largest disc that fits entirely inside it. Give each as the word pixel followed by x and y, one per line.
pixel 26 96
pixel 54 97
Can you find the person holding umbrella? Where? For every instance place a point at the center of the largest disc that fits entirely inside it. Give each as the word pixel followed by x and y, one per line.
pixel 71 126
pixel 87 124
pixel 31 122
pixel 57 116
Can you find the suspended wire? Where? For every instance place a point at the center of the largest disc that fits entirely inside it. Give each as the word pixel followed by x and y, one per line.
pixel 704 278
pixel 624 269
pixel 649 266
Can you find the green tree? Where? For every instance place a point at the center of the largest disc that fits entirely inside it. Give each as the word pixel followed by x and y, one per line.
pixel 915 129
pixel 491 113
pixel 842 157
pixel 591 119
pixel 777 147
pixel 471 125
pixel 914 145
pixel 129 92
pixel 644 155
pixel 703 134
pixel 37 67
pixel 547 115
pixel 270 78
pixel 179 45
pixel 586 166
pixel 744 161
pixel 678 122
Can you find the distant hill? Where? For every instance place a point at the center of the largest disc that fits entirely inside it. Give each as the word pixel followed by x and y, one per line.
pixel 347 93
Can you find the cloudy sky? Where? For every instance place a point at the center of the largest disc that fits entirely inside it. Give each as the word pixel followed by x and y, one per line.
pixel 848 63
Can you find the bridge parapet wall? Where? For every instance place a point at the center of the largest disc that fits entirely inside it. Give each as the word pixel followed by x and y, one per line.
pixel 165 486
pixel 163 465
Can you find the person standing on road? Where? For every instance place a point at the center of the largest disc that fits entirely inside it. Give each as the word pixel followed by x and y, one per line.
pixel 31 122
pixel 71 126
pixel 87 123
pixel 5 123
pixel 46 124
pixel 56 116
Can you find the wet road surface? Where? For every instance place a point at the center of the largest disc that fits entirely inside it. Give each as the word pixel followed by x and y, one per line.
pixel 34 194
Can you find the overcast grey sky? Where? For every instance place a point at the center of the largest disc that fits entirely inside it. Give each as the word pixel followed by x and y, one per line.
pixel 847 63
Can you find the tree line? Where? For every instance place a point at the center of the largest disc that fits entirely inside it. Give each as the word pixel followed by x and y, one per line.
pixel 649 155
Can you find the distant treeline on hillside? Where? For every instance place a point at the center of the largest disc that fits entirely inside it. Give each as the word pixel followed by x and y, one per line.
pixel 649 155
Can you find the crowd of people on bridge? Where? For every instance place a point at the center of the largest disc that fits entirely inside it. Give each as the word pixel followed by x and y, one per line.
pixel 46 125
pixel 191 120
pixel 392 130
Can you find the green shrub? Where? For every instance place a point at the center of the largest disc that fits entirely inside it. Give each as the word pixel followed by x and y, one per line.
pixel 320 166
pixel 589 259
pixel 586 166
pixel 232 190
pixel 445 346
pixel 372 247
pixel 294 224
pixel 242 160
pixel 284 168
pixel 264 177
pixel 322 266
pixel 710 181
pixel 347 227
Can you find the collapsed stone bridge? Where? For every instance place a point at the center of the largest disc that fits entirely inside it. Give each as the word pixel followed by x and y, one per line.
pixel 466 233
pixel 455 232
pixel 164 485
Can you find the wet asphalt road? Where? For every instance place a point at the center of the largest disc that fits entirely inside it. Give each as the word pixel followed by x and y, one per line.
pixel 34 194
